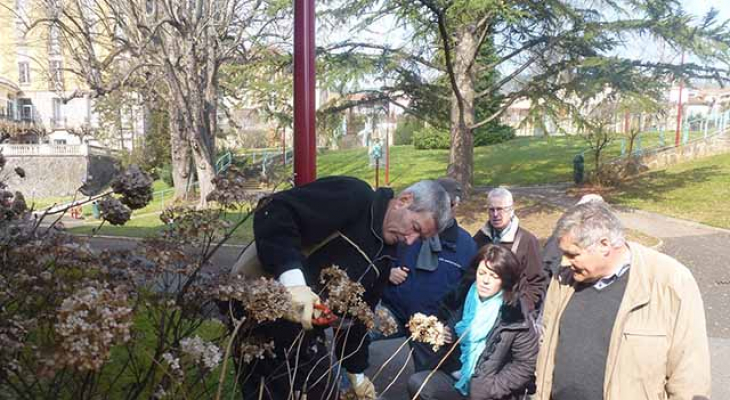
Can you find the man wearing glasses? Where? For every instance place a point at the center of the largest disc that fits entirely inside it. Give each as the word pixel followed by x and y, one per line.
pixel 503 228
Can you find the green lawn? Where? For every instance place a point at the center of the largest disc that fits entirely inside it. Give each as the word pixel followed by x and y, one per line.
pixel 697 190
pixel 522 161
pixel 150 224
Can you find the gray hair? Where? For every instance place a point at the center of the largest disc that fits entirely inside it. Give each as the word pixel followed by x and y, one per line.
pixel 588 223
pixel 500 193
pixel 429 196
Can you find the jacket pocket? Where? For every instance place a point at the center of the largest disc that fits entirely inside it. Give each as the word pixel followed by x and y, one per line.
pixel 645 358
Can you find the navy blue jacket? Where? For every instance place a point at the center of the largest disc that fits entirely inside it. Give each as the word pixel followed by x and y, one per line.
pixel 423 290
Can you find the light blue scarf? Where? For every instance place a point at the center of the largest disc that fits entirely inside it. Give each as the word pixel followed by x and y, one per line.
pixel 476 322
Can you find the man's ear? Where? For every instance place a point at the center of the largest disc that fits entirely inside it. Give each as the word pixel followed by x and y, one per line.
pixel 605 245
pixel 404 200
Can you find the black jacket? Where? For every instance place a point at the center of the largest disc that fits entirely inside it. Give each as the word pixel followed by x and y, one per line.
pixel 506 368
pixel 304 216
pixel 533 279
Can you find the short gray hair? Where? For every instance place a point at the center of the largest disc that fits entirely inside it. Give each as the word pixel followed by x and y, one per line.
pixel 500 193
pixel 588 223
pixel 429 196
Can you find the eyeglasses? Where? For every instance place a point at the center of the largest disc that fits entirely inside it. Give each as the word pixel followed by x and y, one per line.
pixel 500 210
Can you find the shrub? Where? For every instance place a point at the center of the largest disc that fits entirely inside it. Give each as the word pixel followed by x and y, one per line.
pixel 405 130
pixel 430 138
pixel 494 135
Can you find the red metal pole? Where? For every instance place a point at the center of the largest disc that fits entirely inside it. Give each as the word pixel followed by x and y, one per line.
pixel 387 144
pixel 305 139
pixel 679 109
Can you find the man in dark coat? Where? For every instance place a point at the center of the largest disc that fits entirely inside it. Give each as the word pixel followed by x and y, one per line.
pixel 428 270
pixel 503 228
pixel 351 226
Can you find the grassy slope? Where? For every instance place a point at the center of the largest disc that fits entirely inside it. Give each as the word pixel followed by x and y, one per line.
pixel 697 190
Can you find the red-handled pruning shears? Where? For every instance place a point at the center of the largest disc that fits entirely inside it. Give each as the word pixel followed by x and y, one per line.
pixel 325 316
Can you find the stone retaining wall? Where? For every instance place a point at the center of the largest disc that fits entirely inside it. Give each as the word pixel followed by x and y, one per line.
pixel 58 175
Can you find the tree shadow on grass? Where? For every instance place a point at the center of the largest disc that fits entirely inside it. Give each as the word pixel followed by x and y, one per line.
pixel 654 186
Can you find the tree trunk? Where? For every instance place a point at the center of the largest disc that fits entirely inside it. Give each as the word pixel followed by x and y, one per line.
pixel 180 154
pixel 461 157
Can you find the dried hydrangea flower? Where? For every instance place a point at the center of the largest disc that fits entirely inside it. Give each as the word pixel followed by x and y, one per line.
pixel 385 323
pixel 134 186
pixel 89 323
pixel 112 210
pixel 255 349
pixel 231 188
pixel 427 329
pixel 204 353
pixel 344 296
pixel 263 299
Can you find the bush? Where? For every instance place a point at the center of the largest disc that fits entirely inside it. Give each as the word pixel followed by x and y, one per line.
pixel 430 138
pixel 405 130
pixel 493 135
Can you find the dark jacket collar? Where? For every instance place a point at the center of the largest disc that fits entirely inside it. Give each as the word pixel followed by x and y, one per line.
pixel 378 210
pixel 450 235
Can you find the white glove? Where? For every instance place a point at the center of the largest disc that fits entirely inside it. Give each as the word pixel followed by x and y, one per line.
pixel 363 387
pixel 303 300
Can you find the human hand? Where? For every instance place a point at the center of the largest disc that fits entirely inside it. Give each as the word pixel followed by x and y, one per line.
pixel 448 335
pixel 302 302
pixel 362 386
pixel 398 275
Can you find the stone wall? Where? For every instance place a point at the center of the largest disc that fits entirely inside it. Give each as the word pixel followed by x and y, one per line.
pixel 619 169
pixel 692 150
pixel 58 175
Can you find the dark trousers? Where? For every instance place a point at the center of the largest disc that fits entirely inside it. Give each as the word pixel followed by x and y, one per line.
pixel 439 387
pixel 302 365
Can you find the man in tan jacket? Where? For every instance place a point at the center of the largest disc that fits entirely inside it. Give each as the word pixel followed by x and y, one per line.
pixel 622 322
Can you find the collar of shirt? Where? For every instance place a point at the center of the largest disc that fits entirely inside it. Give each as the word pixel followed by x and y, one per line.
pixel 620 271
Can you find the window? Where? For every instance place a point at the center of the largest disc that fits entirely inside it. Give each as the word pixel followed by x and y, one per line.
pixel 54 40
pixel 59 141
pixel 56 74
pixel 57 111
pixel 23 72
pixel 11 110
pixel 25 107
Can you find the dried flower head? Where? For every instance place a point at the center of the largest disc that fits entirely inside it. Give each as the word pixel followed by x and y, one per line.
pixel 231 188
pixel 134 186
pixel 344 296
pixel 263 299
pixel 255 349
pixel 89 323
pixel 427 329
pixel 385 323
pixel 203 353
pixel 193 226
pixel 20 172
pixel 112 210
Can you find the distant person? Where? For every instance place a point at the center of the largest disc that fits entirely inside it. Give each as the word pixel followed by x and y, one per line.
pixel 425 272
pixel 621 321
pixel 497 349
pixel 503 228
pixel 552 256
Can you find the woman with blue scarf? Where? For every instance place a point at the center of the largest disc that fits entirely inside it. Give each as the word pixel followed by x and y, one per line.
pixel 496 343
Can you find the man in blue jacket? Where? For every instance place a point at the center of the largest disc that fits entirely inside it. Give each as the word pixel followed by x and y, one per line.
pixel 426 271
